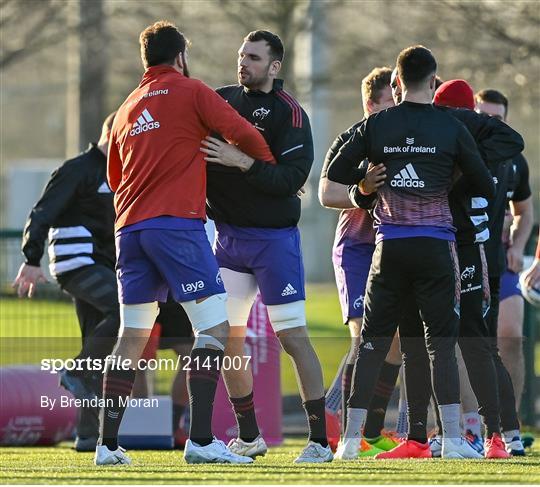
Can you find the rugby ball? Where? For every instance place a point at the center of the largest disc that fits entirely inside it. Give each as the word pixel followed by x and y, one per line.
pixel 531 294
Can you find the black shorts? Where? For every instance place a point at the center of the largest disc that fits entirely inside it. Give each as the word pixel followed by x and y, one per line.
pixel 175 325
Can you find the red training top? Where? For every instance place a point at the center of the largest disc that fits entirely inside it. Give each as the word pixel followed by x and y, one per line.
pixel 155 165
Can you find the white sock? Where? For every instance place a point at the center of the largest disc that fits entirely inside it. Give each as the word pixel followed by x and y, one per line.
pixel 450 414
pixel 473 423
pixel 402 426
pixel 356 419
pixel 510 435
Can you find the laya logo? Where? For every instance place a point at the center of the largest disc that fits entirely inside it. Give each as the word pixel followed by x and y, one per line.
pixel 409 140
pixel 358 302
pixel 407 178
pixel 193 287
pixel 261 113
pixel 144 123
pixel 468 272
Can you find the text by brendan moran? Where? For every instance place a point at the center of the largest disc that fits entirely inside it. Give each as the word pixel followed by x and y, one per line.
pixel 95 402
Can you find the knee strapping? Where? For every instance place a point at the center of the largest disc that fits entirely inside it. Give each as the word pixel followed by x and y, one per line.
pixel 287 316
pixel 208 313
pixel 202 340
pixel 142 316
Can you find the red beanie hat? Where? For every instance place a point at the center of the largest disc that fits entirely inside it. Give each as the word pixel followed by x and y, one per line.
pixel 455 93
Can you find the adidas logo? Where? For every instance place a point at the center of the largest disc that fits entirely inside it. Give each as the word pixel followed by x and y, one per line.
pixel 407 178
pixel 144 123
pixel 368 346
pixel 289 290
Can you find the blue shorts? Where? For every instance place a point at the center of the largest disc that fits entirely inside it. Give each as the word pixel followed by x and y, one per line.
pixel 509 285
pixel 351 267
pixel 274 257
pixel 150 262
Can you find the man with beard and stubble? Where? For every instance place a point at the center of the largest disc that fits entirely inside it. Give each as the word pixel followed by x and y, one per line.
pixel 158 174
pixel 256 210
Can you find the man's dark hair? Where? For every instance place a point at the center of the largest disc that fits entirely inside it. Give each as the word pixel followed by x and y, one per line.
pixel 374 83
pixel 415 64
pixel 160 43
pixel 492 96
pixel 274 43
pixel 438 81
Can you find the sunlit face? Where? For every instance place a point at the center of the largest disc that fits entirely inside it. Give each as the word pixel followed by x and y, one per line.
pixel 255 67
pixel 396 90
pixel 385 101
pixel 492 109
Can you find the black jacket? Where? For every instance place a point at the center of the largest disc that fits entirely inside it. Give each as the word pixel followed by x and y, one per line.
pixel 420 147
pixel 76 213
pixel 496 142
pixel 265 195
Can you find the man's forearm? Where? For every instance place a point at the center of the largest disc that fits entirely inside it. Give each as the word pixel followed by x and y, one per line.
pixel 334 195
pixel 521 232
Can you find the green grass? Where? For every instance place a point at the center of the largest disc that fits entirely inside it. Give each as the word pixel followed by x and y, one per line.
pixel 29 319
pixel 61 465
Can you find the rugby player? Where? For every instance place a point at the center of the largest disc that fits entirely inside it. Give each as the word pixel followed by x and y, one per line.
pixel 420 148
pixel 505 318
pixel 256 210
pixel 76 211
pixel 158 174
pixel 497 142
pixel 353 248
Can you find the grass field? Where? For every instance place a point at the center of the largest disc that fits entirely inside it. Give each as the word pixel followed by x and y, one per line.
pixel 63 466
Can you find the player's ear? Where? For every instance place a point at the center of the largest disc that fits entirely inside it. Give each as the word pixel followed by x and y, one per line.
pixel 275 66
pixel 179 61
pixel 370 106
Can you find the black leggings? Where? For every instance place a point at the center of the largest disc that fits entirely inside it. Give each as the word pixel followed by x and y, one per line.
pixel 507 398
pixel 423 270
pixel 94 291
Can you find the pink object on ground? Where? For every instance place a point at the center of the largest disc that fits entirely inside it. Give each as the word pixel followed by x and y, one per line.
pixel 23 420
pixel 264 348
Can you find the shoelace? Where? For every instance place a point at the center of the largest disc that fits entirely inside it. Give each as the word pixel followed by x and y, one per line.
pixel 311 449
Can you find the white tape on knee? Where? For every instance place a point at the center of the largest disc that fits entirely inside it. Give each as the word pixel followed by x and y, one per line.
pixel 202 340
pixel 206 314
pixel 287 316
pixel 141 316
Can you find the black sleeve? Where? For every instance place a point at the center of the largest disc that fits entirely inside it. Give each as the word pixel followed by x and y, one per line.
pixel 294 155
pixel 360 200
pixel 523 188
pixel 334 148
pixel 497 142
pixel 55 198
pixel 344 167
pixel 476 176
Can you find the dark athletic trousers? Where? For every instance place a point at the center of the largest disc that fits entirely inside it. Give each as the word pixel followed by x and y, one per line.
pixel 426 271
pixel 94 291
pixel 473 341
pixel 507 398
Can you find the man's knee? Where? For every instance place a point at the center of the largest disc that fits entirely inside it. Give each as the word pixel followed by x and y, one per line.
pixel 208 318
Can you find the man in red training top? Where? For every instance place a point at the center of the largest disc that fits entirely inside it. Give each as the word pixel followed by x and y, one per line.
pixel 158 173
